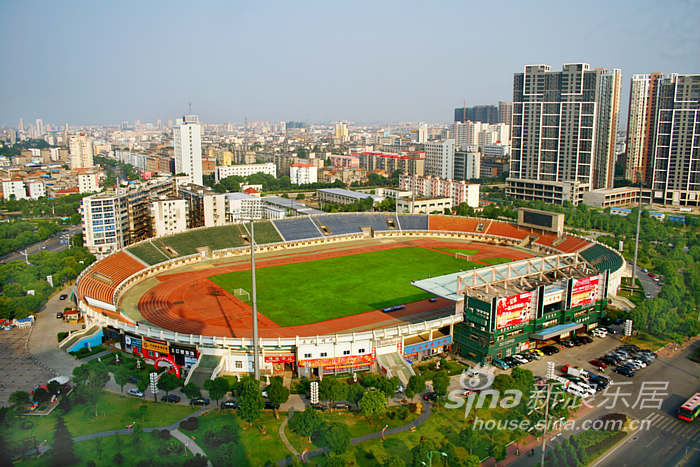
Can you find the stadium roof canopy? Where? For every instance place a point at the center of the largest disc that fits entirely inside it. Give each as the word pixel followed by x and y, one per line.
pixel 555 331
pixel 286 203
pixel 508 278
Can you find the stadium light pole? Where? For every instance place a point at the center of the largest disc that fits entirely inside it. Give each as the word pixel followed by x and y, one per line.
pixel 636 241
pixel 256 356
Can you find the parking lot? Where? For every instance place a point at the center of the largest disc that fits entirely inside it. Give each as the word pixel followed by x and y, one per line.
pixel 19 370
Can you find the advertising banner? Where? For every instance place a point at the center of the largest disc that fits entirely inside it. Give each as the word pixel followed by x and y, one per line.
pixel 280 359
pixel 584 291
pixel 513 310
pixel 349 360
pixel 156 346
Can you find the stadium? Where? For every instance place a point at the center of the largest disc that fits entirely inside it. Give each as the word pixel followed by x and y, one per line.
pixel 346 292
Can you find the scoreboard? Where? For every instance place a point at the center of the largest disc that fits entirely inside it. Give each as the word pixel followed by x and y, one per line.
pixel 542 220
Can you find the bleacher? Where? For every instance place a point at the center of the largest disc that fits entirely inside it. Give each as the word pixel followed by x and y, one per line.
pixel 453 224
pixel 602 258
pixel 503 229
pixel 339 224
pixel 546 239
pixel 570 244
pixel 413 222
pixel 297 228
pixel 104 277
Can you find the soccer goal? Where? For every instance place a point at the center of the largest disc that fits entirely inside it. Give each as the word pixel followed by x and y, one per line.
pixel 463 260
pixel 242 294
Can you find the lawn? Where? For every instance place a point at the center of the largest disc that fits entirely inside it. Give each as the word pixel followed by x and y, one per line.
pixel 320 290
pixel 495 261
pixel 647 341
pixel 459 250
pixel 250 446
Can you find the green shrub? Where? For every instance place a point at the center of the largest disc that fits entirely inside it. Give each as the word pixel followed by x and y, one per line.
pixel 190 424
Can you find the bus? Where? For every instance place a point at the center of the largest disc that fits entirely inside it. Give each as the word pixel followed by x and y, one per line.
pixel 690 408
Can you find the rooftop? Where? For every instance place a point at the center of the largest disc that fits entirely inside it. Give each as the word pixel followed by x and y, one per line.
pixel 344 192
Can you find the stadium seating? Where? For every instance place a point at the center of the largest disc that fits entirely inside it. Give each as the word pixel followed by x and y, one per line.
pixel 546 239
pixel 104 277
pixel 503 229
pixel 339 224
pixel 297 228
pixel 571 244
pixel 413 222
pixel 602 258
pixel 453 224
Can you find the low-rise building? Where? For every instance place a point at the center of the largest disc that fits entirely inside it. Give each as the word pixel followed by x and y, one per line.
pixel 36 189
pixel 340 196
pixel 205 207
pixel 87 183
pixel 14 189
pixel 423 205
pixel 169 216
pixel 612 197
pixel 243 207
pixel 244 170
pixel 458 191
pixel 303 174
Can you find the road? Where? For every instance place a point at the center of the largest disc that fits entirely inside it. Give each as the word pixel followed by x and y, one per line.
pixel 648 284
pixel 50 244
pixel 664 440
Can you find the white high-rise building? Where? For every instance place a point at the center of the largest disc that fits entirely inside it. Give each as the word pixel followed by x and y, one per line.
pixel 81 151
pixel 187 142
pixel 423 133
pixel 439 158
pixel 13 189
pixel 341 131
pixel 36 189
pixel 39 127
pixel 302 174
pixel 87 183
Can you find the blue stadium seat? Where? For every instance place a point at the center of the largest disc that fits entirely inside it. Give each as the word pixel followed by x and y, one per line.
pixel 339 224
pixel 410 222
pixel 297 228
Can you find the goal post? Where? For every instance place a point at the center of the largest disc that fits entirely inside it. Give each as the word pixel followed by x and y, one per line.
pixel 242 294
pixel 463 259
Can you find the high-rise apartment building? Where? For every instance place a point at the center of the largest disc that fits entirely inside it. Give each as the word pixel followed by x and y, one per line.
pixel 675 148
pixel 640 126
pixel 187 143
pixel 39 123
pixel 302 174
pixel 205 207
pixel 81 151
pixel 169 216
pixel 478 113
pixel 423 133
pixel 467 165
pixel 504 112
pixel 341 132
pixel 563 133
pixel 439 158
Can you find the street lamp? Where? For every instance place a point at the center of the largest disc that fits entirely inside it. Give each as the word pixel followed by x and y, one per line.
pixel 430 457
pixel 256 361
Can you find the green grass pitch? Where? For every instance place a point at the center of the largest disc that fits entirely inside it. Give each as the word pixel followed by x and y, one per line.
pixel 320 290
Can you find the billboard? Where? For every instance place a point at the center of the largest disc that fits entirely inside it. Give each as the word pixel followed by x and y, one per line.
pixel 513 310
pixel 584 291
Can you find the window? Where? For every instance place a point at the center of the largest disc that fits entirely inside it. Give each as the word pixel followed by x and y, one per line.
pixel 346 352
pixel 239 364
pixel 360 350
pixel 307 355
pixel 324 354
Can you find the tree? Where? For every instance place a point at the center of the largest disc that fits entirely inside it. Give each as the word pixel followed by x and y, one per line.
pixel 471 461
pixel 143 381
pixel 373 404
pixel 419 454
pixel 306 423
pixel 332 389
pixel 467 439
pixel 440 383
pixel 388 386
pixel 416 385
pixel 168 382
pixel 250 400
pixel 217 387
pixel 19 399
pixel 277 394
pixel 337 438
pixel 121 376
pixel 503 382
pixel 191 390
pixel 355 392
pixel 63 453
pixel 41 395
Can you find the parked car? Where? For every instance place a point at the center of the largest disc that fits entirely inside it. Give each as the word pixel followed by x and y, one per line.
pixel 537 352
pixel 229 404
pixel 512 361
pixel 500 364
pixel 59 315
pixel 341 405
pixel 134 392
pixel 568 343
pixel 549 350
pixel 320 406
pixel 432 299
pixel 63 296
pixel 598 363
pixel 199 401
pixel 430 396
pixel 172 398
pixel 624 370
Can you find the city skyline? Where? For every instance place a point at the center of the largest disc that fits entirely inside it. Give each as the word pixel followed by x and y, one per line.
pixel 283 63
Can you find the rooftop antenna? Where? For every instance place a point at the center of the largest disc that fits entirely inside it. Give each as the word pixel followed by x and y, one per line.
pixel 464 112
pixel 189 108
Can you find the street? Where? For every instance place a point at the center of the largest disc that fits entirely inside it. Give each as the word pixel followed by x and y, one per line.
pixel 50 244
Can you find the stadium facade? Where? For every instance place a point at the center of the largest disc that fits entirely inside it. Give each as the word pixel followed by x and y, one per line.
pixel 496 310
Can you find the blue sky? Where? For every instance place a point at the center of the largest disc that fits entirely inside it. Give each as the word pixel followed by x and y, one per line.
pixel 104 62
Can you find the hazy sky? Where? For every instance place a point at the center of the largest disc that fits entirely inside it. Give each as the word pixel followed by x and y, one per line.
pixel 104 62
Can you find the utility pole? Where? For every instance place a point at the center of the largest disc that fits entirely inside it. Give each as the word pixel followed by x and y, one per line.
pixel 256 362
pixel 546 422
pixel 636 241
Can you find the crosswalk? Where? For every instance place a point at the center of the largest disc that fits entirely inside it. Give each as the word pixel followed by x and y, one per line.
pixel 669 425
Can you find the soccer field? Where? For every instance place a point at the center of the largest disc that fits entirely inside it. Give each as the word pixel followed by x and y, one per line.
pixel 314 291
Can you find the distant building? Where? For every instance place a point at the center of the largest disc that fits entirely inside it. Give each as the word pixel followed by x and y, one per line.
pixel 343 161
pixel 439 159
pixel 434 187
pixel 341 132
pixel 81 151
pixel 423 205
pixel 412 162
pixel 613 197
pixel 205 207
pixel 340 196
pixel 36 189
pixel 244 170
pixel 187 145
pixel 302 174
pixel 169 216
pixel 242 207
pixel 87 183
pixel 467 165
pixel 14 189
pixel 479 113
pixel 504 112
